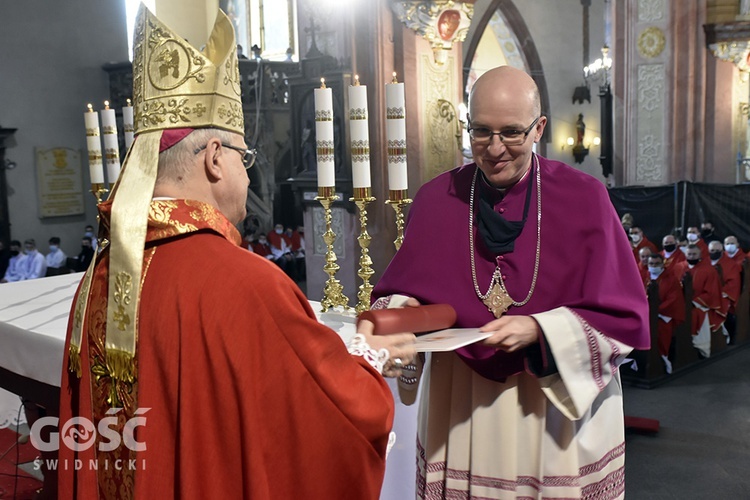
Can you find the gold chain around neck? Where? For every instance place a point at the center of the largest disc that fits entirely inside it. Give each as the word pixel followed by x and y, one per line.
pixel 497 277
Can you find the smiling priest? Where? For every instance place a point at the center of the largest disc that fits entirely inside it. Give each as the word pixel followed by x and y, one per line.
pixel 194 368
pixel 537 257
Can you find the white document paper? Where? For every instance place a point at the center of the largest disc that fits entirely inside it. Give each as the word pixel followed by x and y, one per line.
pixel 450 339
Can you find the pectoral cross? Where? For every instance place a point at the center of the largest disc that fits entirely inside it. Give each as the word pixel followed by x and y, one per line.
pixel 498 301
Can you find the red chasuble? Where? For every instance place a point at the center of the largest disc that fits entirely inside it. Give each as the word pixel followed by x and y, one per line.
pixel 731 283
pixel 240 392
pixel 706 292
pixel 671 305
pixel 676 257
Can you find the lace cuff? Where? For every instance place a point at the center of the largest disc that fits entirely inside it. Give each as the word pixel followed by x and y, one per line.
pixel 359 347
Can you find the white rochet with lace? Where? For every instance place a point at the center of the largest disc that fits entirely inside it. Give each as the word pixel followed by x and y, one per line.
pixel 358 346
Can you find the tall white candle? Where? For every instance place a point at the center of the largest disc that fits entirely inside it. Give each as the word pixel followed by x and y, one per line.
pixel 111 146
pixel 395 133
pixel 94 145
pixel 127 124
pixel 360 137
pixel 324 135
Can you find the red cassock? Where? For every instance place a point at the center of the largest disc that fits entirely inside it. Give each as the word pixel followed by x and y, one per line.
pixel 731 277
pixel 261 249
pixel 739 257
pixel 704 248
pixel 245 394
pixel 672 305
pixel 295 241
pixel 275 239
pixel 643 270
pixel 706 292
pixel 676 257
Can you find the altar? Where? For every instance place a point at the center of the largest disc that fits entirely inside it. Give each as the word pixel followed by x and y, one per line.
pixel 33 321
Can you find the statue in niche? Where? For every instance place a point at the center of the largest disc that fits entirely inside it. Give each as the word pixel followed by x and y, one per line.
pixel 580 130
pixel 309 161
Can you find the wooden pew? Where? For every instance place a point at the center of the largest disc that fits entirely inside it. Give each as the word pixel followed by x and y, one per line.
pixel 654 366
pixel 684 352
pixel 742 308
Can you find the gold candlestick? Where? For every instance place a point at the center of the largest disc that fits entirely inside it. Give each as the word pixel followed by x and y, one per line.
pixel 333 292
pixel 363 196
pixel 398 199
pixel 98 190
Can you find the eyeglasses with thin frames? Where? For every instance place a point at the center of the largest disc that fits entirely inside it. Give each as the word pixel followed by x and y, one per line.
pixel 248 155
pixel 511 137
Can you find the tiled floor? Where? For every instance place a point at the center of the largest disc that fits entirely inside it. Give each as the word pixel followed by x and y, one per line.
pixel 702 450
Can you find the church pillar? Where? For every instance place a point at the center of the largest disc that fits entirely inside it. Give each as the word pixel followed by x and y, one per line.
pixel 689 85
pixel 643 86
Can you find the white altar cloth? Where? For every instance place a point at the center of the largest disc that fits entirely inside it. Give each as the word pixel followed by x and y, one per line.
pixel 33 323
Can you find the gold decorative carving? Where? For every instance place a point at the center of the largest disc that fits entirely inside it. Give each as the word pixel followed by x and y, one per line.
pixel 651 42
pixel 440 22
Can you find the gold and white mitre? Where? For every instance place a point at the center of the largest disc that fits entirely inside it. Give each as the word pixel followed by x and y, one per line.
pixel 174 86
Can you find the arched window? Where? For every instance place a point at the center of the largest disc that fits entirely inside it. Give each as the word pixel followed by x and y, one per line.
pixel 267 28
pixel 131 9
pixel 270 25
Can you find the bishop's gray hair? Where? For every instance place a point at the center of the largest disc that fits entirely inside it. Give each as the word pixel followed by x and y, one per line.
pixel 175 162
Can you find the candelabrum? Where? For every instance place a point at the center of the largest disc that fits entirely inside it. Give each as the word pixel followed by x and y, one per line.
pixel 398 199
pixel 98 190
pixel 333 292
pixel 363 196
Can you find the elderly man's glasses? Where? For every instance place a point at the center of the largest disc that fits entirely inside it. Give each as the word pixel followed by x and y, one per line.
pixel 248 155
pixel 510 137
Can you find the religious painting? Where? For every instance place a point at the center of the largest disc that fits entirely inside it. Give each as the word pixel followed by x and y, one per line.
pixel 448 23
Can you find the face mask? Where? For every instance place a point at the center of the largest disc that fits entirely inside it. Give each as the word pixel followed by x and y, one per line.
pixel 693 262
pixel 27 251
pixel 655 271
pixel 53 248
pixel 14 253
pixel 670 247
pixel 278 231
pixel 707 232
pixel 635 237
pixel 716 255
pixel 692 237
pixel 731 248
pixel 262 242
pixel 89 234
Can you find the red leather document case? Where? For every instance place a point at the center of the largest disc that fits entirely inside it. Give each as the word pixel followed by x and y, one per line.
pixel 416 320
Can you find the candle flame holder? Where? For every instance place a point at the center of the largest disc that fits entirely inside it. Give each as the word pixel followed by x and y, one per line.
pixel 333 295
pixel 363 196
pixel 398 199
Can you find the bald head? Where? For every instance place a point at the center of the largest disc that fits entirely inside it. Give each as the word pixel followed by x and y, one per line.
pixel 508 85
pixel 504 124
pixel 643 254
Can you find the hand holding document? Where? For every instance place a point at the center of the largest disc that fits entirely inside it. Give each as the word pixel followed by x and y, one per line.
pixel 426 318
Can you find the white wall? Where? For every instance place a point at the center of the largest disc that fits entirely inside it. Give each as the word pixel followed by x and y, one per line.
pixel 51 55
